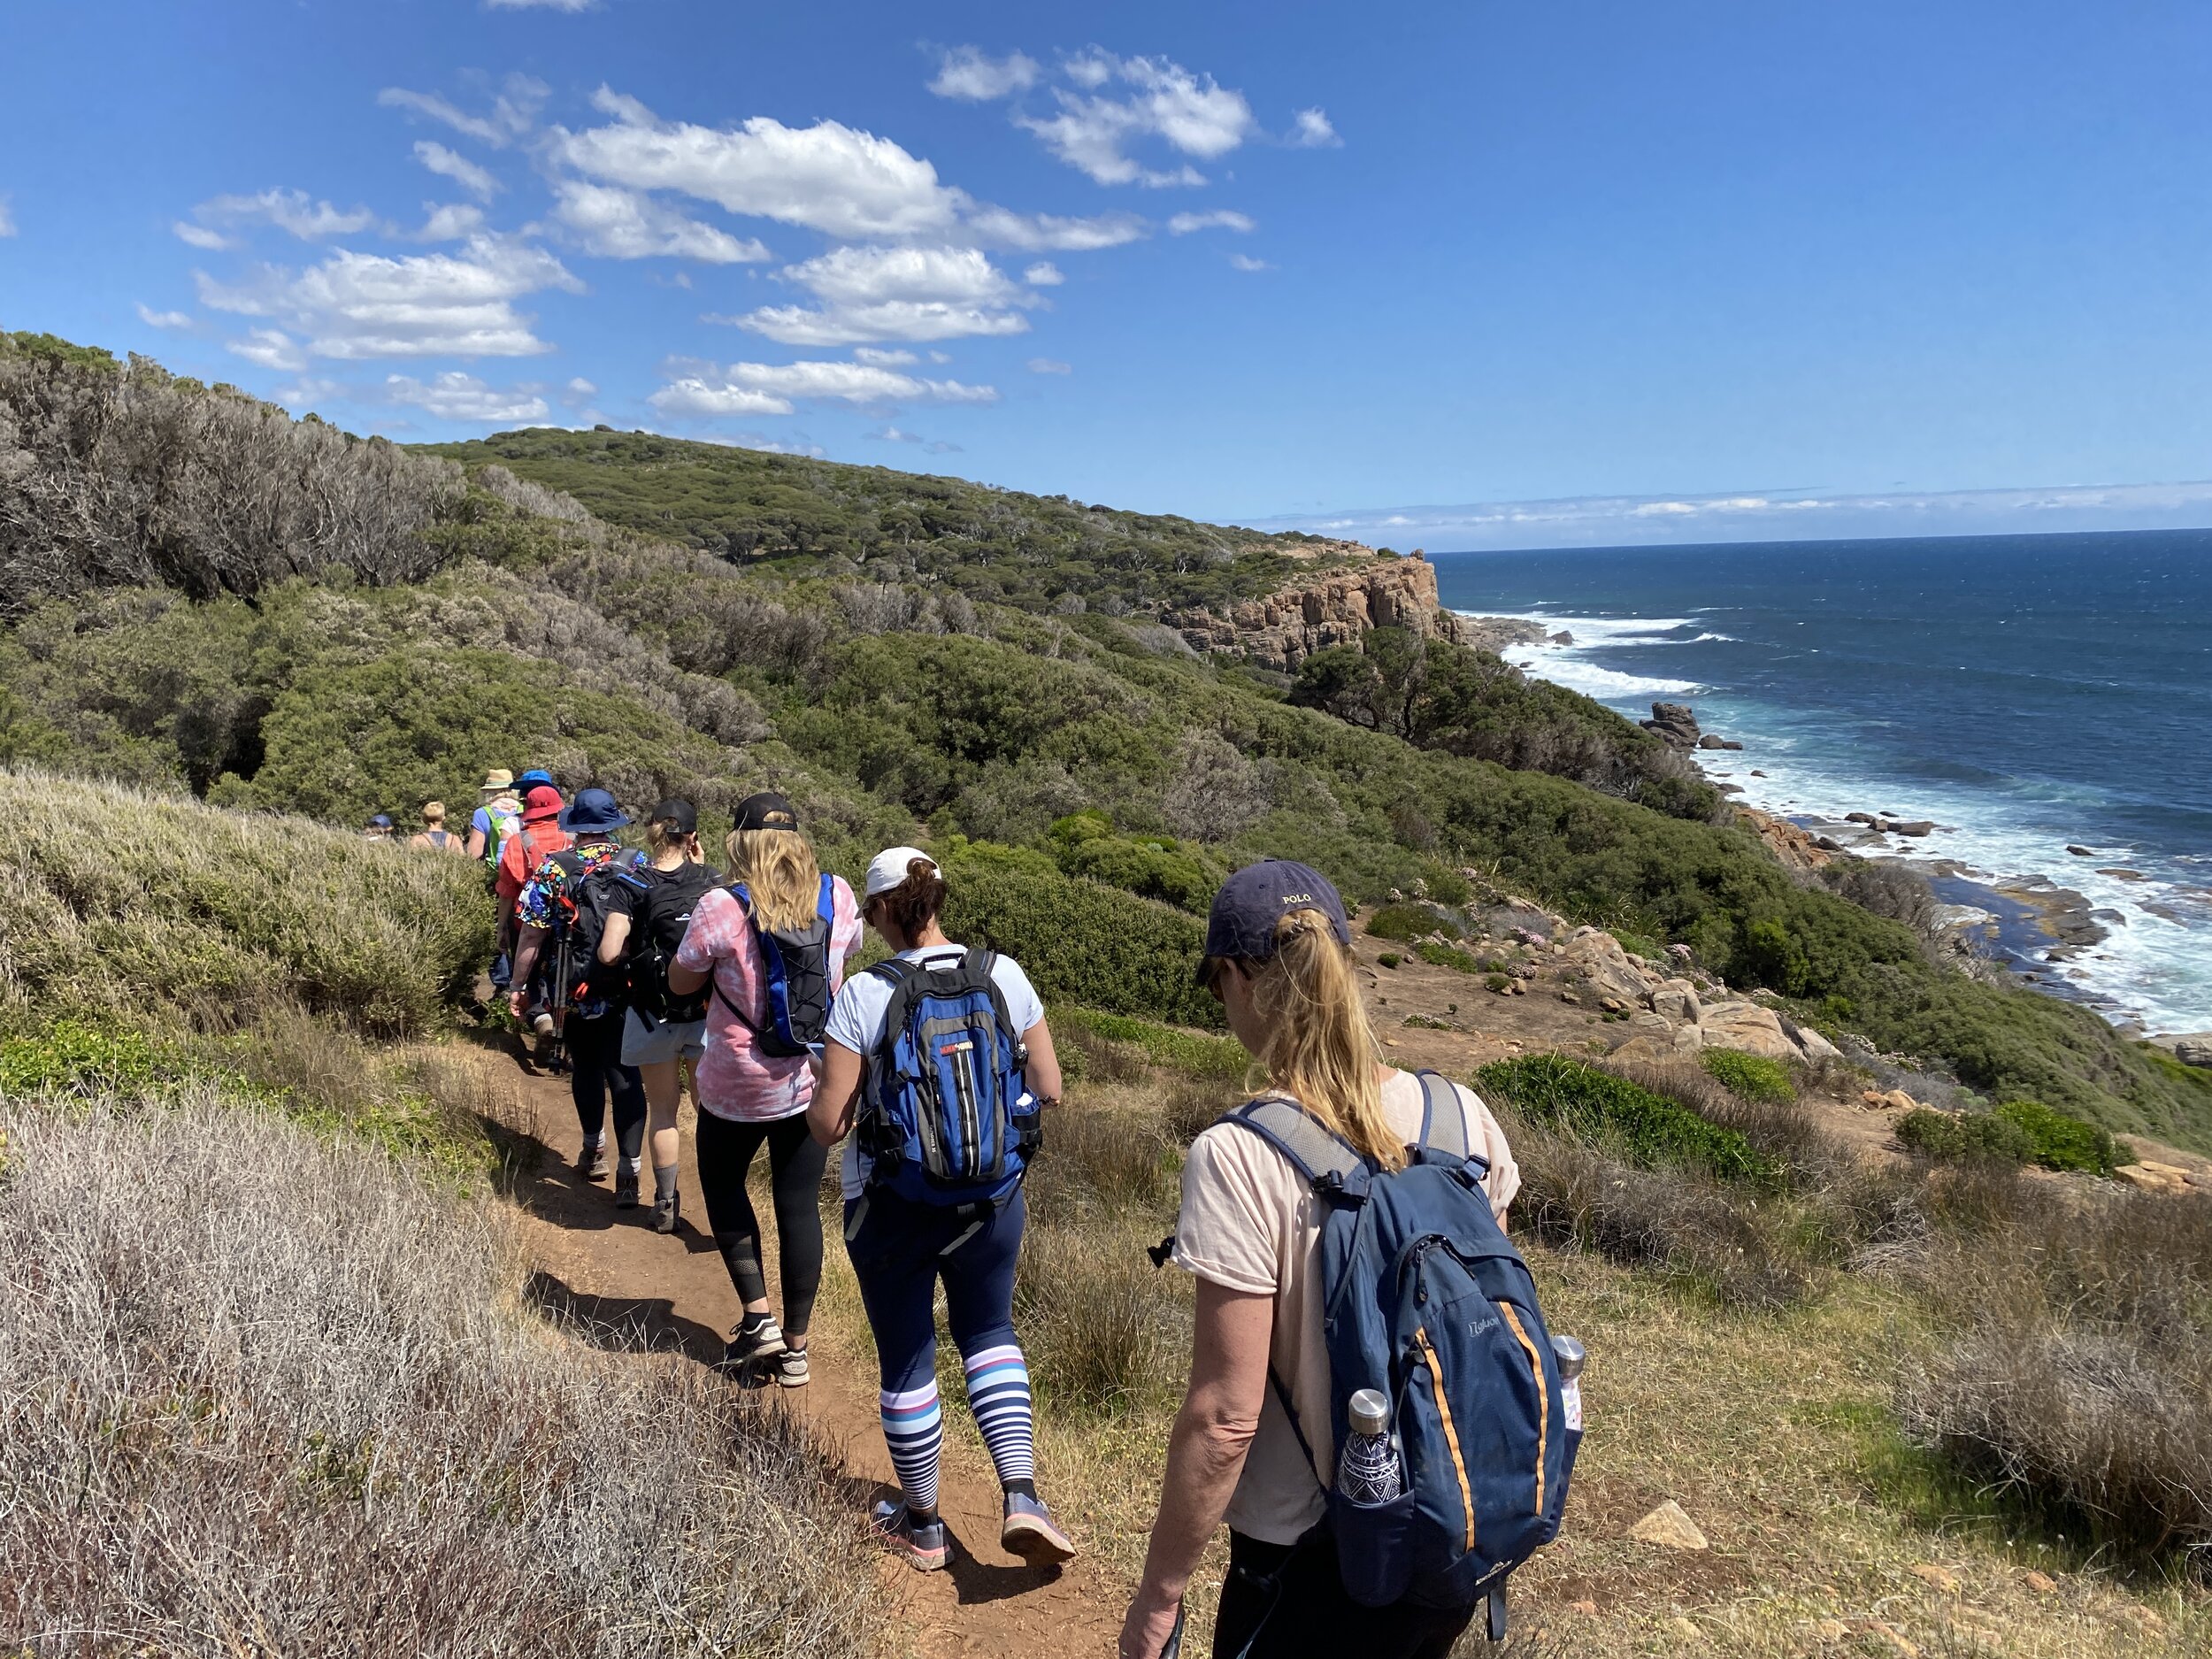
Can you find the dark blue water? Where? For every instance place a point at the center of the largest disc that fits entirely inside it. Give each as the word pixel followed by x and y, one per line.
pixel 2026 692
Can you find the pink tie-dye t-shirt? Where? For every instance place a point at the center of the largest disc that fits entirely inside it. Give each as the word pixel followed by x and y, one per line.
pixel 736 1080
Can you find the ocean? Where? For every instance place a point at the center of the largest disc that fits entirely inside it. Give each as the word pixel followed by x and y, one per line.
pixel 2029 693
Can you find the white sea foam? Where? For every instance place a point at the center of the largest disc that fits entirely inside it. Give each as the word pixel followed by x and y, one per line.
pixel 1561 667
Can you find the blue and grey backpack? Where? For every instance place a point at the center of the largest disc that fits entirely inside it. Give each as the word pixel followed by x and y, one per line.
pixel 1424 1299
pixel 795 972
pixel 945 1111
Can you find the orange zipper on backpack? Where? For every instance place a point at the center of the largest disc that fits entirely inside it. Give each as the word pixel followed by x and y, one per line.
pixel 1451 1431
pixel 1543 1400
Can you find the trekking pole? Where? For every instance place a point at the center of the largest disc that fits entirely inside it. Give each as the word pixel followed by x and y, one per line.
pixel 557 1054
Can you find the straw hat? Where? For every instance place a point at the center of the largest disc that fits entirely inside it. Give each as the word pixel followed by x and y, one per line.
pixel 498 781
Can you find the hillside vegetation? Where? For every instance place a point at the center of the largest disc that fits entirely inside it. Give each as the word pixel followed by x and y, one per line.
pixel 1104 775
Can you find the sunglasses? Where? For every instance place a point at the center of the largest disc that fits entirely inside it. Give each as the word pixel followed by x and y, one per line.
pixel 1211 972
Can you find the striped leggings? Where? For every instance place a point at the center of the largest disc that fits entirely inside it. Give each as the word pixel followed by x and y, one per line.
pixel 899 1251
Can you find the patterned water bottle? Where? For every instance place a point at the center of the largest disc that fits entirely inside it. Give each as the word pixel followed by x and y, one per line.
pixel 1367 1468
pixel 1569 1355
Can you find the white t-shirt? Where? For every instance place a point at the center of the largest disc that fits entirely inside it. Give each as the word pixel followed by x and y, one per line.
pixel 1250 1223
pixel 856 1022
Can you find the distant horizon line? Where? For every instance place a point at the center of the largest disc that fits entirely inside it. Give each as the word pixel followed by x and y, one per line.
pixel 1590 522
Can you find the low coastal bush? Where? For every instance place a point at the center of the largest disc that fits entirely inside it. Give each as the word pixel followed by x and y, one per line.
pixel 2017 1132
pixel 327 1425
pixel 1749 1076
pixel 117 905
pixel 1646 1129
pixel 1401 922
pixel 1447 956
pixel 1191 1052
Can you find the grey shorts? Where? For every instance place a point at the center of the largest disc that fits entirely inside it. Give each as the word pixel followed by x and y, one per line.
pixel 656 1042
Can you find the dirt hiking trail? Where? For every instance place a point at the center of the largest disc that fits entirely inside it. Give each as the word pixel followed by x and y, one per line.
pixel 607 1269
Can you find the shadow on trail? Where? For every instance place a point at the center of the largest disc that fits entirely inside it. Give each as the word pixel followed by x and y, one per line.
pixel 622 1325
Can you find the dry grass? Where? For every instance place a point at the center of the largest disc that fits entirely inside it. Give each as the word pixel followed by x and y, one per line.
pixel 260 1393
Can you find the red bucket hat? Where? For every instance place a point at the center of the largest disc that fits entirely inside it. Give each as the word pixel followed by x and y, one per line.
pixel 541 804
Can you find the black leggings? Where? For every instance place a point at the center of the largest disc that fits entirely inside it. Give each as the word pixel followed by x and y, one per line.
pixel 795 1160
pixel 1287 1602
pixel 595 1072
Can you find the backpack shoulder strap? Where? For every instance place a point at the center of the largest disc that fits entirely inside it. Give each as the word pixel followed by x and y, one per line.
pixel 1327 1161
pixel 1444 1128
pixel 825 902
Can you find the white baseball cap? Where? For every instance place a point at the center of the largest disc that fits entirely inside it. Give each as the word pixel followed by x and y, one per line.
pixel 887 869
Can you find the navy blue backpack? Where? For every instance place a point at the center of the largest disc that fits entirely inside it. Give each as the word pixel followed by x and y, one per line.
pixel 1424 1299
pixel 795 969
pixel 946 1113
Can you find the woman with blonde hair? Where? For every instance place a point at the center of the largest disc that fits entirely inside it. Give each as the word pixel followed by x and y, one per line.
pixel 769 951
pixel 434 836
pixel 1278 956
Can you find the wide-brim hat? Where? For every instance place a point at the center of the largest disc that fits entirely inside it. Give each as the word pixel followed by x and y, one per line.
pixel 593 812
pixel 498 780
pixel 541 803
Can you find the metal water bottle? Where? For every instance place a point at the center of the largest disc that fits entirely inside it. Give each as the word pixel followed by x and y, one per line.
pixel 1367 1468
pixel 1569 1355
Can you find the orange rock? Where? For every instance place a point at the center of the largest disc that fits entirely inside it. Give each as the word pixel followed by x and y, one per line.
pixel 1937 1578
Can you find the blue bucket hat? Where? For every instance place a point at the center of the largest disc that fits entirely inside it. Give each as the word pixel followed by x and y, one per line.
pixel 1241 923
pixel 536 775
pixel 593 812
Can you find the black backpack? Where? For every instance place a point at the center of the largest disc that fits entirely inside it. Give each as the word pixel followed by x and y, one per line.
pixel 580 922
pixel 658 926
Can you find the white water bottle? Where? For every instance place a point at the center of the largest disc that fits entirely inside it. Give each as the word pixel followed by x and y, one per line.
pixel 1367 1468
pixel 1569 1355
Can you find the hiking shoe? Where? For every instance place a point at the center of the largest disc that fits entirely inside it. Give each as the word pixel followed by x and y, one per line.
pixel 542 1022
pixel 1032 1534
pixel 748 1348
pixel 666 1212
pixel 789 1368
pixel 922 1544
pixel 626 1190
pixel 593 1164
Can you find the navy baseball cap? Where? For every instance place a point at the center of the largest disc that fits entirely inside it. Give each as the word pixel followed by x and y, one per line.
pixel 1241 923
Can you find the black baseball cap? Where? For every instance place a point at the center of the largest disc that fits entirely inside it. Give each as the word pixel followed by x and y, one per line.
pixel 766 811
pixel 680 816
pixel 1241 923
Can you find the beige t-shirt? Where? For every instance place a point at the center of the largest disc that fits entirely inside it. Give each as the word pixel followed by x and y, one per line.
pixel 1249 1223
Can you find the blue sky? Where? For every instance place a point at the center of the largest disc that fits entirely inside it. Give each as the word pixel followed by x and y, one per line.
pixel 1581 273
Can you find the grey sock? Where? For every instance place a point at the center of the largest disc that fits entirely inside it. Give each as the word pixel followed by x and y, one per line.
pixel 664 1182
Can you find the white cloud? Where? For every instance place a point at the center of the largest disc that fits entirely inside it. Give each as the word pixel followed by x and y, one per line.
pixel 550 5
pixel 1040 232
pixel 899 293
pixel 1043 274
pixel 7 218
pixel 828 177
pixel 775 388
pixel 1049 365
pixel 289 211
pixel 309 390
pixel 1246 262
pixel 478 181
pixel 153 319
pixel 579 390
pixel 1191 114
pixel 967 73
pixel 1222 219
pixel 449 221
pixel 892 435
pixel 270 348
pixel 513 112
pixel 1312 130
pixel 625 225
pixel 360 305
pixel 200 236
pixel 454 395
pixel 884 360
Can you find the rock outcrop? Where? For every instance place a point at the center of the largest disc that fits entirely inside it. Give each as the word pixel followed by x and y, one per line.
pixel 1670 1018
pixel 1674 723
pixel 1793 848
pixel 1337 608
pixel 2190 1047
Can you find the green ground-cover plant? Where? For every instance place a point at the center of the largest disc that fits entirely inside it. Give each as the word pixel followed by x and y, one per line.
pixel 1647 1129
pixel 1194 1053
pixel 1403 922
pixel 2016 1131
pixel 1447 956
pixel 1749 1076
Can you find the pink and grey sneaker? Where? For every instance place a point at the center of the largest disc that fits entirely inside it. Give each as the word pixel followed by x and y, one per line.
pixel 922 1544
pixel 1031 1532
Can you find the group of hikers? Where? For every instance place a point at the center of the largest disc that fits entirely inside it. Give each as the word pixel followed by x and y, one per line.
pixel 1348 1432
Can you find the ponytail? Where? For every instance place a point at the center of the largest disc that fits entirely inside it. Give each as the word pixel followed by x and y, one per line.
pixel 913 904
pixel 779 869
pixel 1320 1050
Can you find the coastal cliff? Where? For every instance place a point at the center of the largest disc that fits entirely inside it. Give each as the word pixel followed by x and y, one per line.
pixel 1281 631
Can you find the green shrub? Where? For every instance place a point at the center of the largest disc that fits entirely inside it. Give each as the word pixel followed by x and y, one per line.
pixel 2060 1143
pixel 1155 867
pixel 1401 922
pixel 1391 959
pixel 1187 1051
pixel 1078 942
pixel 1447 956
pixel 1644 1128
pixel 1946 1139
pixel 1495 981
pixel 73 1056
pixel 1749 1076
